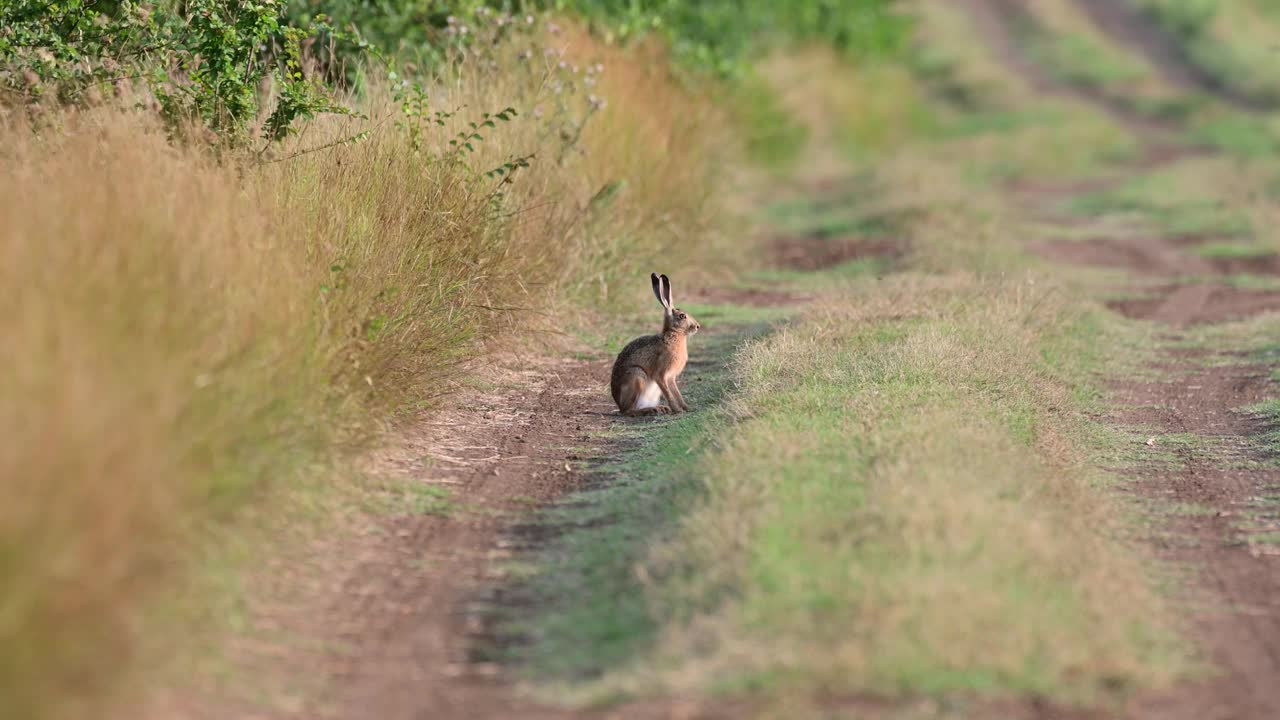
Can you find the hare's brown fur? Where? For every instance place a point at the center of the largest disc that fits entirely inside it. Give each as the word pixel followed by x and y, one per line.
pixel 651 364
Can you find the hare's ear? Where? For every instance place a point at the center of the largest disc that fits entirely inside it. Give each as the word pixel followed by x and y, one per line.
pixel 666 292
pixel 657 288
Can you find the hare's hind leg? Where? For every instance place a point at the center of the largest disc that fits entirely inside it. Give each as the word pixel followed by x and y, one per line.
pixel 640 395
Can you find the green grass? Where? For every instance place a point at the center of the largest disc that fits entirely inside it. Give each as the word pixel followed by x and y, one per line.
pixel 1232 250
pixel 834 277
pixel 1079 58
pixel 1269 410
pixel 998 121
pixel 841 215
pixel 1234 42
pixel 1239 134
pixel 772 136
pixel 1155 198
pixel 411 497
pixel 731 316
pixel 1183 509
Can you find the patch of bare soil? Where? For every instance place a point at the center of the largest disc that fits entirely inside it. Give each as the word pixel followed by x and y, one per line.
pixel 393 625
pixel 750 296
pixel 810 253
pixel 1198 304
pixel 1234 608
pixel 1174 304
pixel 1141 255
pixel 409 631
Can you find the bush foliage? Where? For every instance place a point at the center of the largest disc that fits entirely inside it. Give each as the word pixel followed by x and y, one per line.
pixel 244 67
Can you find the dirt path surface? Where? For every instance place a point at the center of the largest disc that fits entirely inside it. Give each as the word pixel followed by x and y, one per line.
pixel 391 606
pixel 410 632
pixel 1233 605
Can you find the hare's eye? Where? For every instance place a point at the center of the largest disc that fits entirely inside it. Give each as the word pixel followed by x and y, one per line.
pixel 681 316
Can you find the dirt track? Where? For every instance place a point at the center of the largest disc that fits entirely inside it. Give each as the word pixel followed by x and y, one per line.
pixel 400 626
pixel 412 656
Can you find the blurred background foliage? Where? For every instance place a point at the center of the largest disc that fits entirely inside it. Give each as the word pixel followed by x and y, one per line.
pixel 226 62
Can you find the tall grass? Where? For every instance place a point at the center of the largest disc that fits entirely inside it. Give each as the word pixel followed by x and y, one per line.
pixel 184 336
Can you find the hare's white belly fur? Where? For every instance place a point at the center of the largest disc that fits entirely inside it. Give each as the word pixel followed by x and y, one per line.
pixel 650 396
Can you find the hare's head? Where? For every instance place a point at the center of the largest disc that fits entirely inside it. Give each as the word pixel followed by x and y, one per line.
pixel 673 318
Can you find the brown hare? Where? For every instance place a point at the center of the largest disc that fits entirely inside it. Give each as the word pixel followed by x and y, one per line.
pixel 647 368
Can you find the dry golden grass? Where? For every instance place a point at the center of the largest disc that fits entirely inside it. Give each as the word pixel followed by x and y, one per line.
pixel 183 338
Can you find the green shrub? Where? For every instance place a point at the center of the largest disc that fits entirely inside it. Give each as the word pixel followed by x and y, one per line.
pixel 200 60
pixel 721 35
